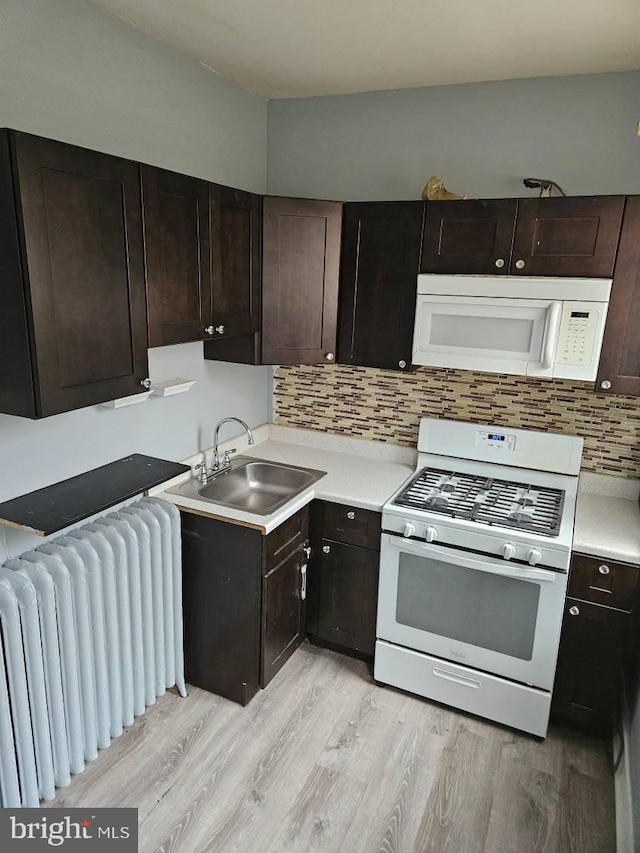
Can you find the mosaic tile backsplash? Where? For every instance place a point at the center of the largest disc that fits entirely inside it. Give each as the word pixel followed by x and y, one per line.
pixel 387 406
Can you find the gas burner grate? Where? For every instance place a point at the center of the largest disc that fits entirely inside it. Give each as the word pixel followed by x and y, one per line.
pixel 486 500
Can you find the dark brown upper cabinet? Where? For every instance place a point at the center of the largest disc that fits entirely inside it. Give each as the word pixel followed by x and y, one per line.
pixel 619 369
pixel 575 236
pixel 468 236
pixel 235 261
pixel 380 260
pixel 202 245
pixel 567 236
pixel 300 273
pixel 177 254
pixel 73 328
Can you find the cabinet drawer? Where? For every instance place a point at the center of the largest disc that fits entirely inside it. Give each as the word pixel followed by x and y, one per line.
pixel 352 525
pixel 291 534
pixel 603 581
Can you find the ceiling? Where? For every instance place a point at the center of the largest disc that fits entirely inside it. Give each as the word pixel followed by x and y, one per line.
pixel 300 48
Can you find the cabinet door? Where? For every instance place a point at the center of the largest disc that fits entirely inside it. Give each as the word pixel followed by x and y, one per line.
pixel 619 369
pixel 567 236
pixel 221 568
pixel 81 226
pixel 235 262
pixel 283 613
pixel 177 245
pixel 589 663
pixel 347 589
pixel 301 259
pixel 468 236
pixel 380 260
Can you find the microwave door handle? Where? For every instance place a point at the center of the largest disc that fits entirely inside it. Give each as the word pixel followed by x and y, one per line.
pixel 551 330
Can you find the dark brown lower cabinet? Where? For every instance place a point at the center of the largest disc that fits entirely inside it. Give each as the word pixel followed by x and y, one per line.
pixel 589 664
pixel 343 582
pixel 597 637
pixel 244 611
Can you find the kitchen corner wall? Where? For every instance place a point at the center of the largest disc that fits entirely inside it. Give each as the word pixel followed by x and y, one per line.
pixel 71 71
pixel 384 405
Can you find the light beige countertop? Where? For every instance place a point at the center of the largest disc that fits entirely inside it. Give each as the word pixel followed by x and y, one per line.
pixel 359 472
pixel 366 473
pixel 608 518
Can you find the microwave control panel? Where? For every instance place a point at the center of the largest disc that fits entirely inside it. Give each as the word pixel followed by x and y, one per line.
pixel 577 337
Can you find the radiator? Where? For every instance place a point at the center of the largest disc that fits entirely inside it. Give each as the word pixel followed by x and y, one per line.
pixel 90 635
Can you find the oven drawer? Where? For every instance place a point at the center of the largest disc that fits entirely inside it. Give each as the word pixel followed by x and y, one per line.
pixel 494 698
pixel 603 581
pixel 352 525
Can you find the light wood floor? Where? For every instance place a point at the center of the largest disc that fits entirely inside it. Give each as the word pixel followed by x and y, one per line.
pixel 323 760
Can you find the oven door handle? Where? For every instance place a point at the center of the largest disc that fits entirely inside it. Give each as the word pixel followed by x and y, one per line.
pixel 485 564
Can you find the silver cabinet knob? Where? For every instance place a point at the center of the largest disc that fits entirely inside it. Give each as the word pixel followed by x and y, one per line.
pixel 326 549
pixel 605 384
pixel 574 611
pixel 146 383
pixel 499 263
pixel 604 570
pixel 351 515
pixel 329 356
pixel 402 363
pixel 220 330
pixel 519 265
pixel 209 330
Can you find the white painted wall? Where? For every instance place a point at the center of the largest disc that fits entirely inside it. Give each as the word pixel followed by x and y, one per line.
pixel 482 138
pixel 71 71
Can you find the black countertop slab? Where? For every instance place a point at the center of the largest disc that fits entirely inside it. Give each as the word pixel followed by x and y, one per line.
pixel 55 507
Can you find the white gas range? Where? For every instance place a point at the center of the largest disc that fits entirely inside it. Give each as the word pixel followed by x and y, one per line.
pixel 473 570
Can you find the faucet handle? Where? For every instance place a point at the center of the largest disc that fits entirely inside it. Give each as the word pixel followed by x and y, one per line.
pixel 227 454
pixel 201 470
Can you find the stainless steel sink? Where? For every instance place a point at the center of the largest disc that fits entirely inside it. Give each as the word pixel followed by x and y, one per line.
pixel 252 485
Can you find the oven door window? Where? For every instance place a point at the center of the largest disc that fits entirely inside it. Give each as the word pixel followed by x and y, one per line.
pixel 485 610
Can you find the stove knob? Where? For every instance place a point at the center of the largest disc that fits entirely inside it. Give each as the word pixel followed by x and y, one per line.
pixel 508 550
pixel 408 529
pixel 534 556
pixel 430 534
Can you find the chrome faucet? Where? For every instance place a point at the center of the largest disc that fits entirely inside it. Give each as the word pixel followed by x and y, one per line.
pixel 216 466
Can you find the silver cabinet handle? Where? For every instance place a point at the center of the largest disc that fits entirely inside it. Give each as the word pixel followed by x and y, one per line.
pixel 574 611
pixel 329 356
pixel 519 265
pixel 605 384
pixel 604 570
pixel 220 330
pixel 351 515
pixel 402 363
pixel 499 263
pixel 146 383
pixel 209 330
pixel 303 582
pixel 326 549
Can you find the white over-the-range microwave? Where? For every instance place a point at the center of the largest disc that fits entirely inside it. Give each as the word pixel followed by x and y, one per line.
pixel 511 324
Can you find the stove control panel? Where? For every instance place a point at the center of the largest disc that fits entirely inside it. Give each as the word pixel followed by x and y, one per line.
pixel 501 441
pixel 479 539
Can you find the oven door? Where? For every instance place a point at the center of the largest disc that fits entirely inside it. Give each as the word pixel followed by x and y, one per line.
pixel 476 610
